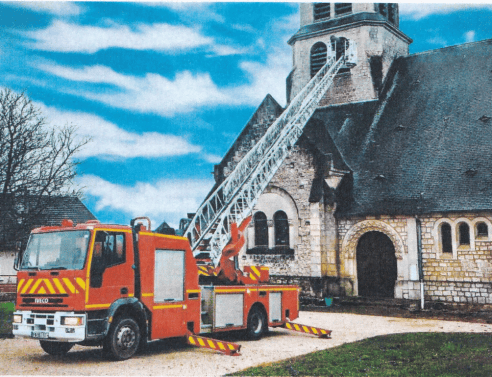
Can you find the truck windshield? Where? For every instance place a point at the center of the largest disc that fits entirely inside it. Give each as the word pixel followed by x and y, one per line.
pixel 56 251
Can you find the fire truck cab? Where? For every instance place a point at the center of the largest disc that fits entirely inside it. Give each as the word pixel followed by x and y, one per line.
pixel 121 286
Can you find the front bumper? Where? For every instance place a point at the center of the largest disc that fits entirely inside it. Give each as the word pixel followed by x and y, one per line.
pixel 48 326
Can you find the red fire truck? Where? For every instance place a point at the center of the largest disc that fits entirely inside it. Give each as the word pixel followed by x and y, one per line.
pixel 121 286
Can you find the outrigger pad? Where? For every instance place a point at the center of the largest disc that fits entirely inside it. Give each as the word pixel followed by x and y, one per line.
pixel 320 333
pixel 228 348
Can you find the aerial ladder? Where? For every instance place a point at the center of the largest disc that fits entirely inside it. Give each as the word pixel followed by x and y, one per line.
pixel 151 288
pixel 213 227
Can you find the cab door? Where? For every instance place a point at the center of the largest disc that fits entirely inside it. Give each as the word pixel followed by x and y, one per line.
pixel 111 275
pixel 169 298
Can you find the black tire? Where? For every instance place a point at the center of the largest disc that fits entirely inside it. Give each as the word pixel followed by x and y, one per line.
pixel 123 339
pixel 257 323
pixel 142 347
pixel 55 348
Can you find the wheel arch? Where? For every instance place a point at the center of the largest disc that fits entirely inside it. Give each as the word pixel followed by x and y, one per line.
pixel 131 307
pixel 259 305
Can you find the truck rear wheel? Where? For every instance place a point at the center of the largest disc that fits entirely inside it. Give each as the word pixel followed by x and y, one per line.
pixel 123 339
pixel 257 323
pixel 55 348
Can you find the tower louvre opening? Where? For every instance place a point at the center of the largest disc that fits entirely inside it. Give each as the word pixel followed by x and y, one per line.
pixel 321 11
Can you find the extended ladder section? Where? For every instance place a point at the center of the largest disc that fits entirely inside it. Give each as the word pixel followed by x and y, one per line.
pixel 233 200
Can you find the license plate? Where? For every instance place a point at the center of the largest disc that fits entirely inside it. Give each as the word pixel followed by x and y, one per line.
pixel 39 334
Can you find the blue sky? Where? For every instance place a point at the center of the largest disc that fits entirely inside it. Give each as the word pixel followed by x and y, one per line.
pixel 164 89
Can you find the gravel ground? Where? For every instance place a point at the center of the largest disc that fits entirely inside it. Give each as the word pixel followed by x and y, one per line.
pixel 173 358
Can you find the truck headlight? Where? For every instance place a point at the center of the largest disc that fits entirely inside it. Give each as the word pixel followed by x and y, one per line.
pixel 72 321
pixel 17 318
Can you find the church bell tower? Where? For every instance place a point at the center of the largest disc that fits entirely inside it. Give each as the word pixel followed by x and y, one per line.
pixel 375 30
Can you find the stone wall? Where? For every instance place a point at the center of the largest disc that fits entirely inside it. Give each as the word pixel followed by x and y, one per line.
pixel 313 226
pixel 356 85
pixel 465 275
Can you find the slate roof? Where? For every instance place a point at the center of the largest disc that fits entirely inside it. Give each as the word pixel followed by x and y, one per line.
pixel 260 121
pixel 65 207
pixel 431 149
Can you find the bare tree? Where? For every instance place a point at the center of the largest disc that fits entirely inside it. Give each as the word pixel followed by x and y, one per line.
pixel 36 163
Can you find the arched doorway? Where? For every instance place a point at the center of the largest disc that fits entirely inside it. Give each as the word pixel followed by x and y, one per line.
pixel 376 265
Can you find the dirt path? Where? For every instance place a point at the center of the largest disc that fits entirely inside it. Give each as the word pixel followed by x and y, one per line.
pixel 24 356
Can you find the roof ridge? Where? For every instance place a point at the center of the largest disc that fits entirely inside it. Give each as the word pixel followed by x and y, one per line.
pixel 250 122
pixel 468 44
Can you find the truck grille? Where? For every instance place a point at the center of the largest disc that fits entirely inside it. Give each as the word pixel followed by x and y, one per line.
pixel 42 301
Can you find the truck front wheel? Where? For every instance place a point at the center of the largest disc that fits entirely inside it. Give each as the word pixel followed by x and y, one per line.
pixel 257 323
pixel 123 339
pixel 55 348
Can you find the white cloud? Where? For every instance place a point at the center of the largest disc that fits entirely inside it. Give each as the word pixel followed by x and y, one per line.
pixel 58 8
pixel 417 11
pixel 185 93
pixel 67 37
pixel 288 23
pixel 110 141
pixel 152 93
pixel 224 50
pixel 264 78
pixel 191 10
pixel 438 41
pixel 212 158
pixel 167 200
pixel 244 27
pixel 470 36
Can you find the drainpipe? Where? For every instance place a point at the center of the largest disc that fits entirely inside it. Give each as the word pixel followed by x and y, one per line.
pixel 421 269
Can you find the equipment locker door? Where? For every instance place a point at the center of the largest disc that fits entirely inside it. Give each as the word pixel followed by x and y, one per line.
pixel 169 278
pixel 229 310
pixel 275 304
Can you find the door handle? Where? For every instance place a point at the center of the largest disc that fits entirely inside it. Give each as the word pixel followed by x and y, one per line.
pixel 124 290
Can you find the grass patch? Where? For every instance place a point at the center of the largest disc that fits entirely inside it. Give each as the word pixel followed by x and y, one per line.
pixel 414 354
pixel 6 310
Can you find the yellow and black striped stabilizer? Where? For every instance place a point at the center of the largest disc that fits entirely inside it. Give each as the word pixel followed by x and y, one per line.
pixel 205 270
pixel 321 333
pixel 228 348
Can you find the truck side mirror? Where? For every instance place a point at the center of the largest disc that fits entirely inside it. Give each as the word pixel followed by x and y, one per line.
pixel 18 257
pixel 16 262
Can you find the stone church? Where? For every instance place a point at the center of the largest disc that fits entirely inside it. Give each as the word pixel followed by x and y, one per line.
pixel 390 183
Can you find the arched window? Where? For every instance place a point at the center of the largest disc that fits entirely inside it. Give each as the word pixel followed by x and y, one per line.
pixel 281 224
pixel 464 234
pixel 318 57
pixel 261 229
pixel 321 11
pixel 482 230
pixel 446 244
